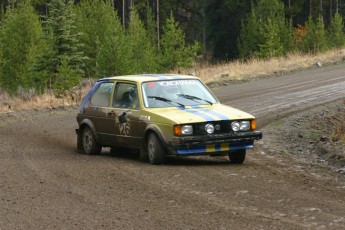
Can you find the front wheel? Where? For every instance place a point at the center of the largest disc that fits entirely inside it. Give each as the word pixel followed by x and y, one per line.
pixel 155 150
pixel 89 143
pixel 238 156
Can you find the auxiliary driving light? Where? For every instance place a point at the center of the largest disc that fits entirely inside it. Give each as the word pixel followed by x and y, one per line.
pixel 209 128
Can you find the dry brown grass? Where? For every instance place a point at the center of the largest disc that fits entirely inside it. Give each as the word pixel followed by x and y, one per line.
pixel 47 100
pixel 236 70
pixel 337 134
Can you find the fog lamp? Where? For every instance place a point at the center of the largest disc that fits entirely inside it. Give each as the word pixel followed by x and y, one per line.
pixel 209 128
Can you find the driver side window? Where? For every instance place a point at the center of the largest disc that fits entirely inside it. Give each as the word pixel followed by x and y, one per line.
pixel 125 96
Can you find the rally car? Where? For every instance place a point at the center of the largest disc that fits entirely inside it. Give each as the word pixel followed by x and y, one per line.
pixel 162 115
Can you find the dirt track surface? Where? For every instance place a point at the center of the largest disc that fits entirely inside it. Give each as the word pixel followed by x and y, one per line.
pixel 45 184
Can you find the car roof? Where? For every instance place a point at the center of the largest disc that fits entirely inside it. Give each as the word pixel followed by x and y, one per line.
pixel 149 77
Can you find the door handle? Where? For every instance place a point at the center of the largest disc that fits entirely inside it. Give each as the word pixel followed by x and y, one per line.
pixel 111 114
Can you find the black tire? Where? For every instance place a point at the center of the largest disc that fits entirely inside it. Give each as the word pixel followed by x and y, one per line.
pixel 237 157
pixel 89 143
pixel 155 150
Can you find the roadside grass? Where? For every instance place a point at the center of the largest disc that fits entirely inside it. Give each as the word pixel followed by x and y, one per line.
pixel 337 134
pixel 334 126
pixel 235 70
pixel 240 70
pixel 27 101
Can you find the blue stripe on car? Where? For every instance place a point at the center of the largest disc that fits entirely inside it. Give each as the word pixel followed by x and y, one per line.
pixel 201 149
pixel 197 113
pixel 214 113
pixel 217 148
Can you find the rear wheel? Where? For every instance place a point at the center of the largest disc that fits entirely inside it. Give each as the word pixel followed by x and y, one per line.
pixel 238 156
pixel 155 150
pixel 89 143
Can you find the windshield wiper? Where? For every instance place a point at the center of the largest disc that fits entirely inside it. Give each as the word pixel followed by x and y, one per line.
pixel 193 98
pixel 166 100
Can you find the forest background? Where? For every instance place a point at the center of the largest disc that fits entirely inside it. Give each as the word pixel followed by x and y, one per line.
pixel 53 45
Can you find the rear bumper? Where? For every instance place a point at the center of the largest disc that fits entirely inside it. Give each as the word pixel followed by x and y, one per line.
pixel 213 144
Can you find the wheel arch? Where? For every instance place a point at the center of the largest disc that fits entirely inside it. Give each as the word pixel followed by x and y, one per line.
pixel 156 130
pixel 87 122
pixel 149 130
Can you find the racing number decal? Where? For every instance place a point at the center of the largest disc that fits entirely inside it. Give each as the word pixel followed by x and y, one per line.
pixel 125 129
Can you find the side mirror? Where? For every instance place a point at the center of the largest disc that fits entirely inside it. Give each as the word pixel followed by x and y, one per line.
pixel 123 117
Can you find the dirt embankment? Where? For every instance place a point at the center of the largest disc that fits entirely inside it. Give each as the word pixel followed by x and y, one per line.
pixel 317 135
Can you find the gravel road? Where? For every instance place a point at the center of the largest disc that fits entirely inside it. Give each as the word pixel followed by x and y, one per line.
pixel 45 184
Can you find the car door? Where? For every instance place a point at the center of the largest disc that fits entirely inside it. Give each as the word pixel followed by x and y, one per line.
pixel 126 109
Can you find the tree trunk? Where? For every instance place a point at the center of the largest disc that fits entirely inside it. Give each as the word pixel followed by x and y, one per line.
pixel 131 6
pixel 320 14
pixel 203 27
pixel 330 11
pixel 158 29
pixel 123 14
pixel 337 6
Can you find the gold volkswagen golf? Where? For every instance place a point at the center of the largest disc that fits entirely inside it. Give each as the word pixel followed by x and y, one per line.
pixel 162 115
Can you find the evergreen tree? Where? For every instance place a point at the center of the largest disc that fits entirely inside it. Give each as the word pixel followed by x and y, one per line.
pixel 150 25
pixel 272 46
pixel 113 56
pixel 250 38
pixel 316 37
pixel 98 23
pixel 141 48
pixel 61 42
pixel 337 36
pixel 20 43
pixel 175 53
pixel 66 76
pixel 266 26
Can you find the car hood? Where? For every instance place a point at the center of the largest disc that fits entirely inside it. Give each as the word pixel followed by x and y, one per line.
pixel 194 114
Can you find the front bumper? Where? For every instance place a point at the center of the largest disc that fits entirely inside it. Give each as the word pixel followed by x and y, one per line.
pixel 213 144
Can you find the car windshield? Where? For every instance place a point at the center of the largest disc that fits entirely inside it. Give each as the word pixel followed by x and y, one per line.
pixel 175 93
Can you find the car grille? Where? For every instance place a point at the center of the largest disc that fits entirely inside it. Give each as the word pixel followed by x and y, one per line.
pixel 220 127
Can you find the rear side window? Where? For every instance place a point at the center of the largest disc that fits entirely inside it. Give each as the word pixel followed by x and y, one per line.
pixel 101 98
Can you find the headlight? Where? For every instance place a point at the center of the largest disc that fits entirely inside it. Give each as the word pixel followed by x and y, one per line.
pixel 244 125
pixel 209 128
pixel 240 126
pixel 187 130
pixel 180 130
